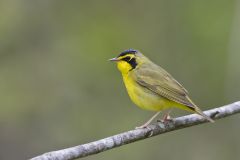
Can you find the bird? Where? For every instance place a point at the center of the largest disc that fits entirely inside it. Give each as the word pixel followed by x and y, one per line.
pixel 151 87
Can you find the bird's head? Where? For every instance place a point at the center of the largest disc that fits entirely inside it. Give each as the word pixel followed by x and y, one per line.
pixel 128 60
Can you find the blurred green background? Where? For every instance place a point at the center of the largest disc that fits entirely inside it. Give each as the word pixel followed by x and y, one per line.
pixel 57 88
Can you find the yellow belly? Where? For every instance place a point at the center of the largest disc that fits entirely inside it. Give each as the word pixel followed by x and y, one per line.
pixel 145 98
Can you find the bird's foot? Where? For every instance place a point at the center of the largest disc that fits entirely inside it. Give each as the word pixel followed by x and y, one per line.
pixel 148 122
pixel 166 118
pixel 142 126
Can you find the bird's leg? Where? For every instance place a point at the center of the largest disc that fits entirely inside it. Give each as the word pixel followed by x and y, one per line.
pixel 149 121
pixel 166 117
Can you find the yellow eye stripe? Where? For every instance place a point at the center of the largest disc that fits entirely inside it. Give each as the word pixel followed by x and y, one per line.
pixel 131 56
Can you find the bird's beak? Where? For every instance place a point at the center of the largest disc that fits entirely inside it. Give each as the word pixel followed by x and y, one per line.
pixel 114 60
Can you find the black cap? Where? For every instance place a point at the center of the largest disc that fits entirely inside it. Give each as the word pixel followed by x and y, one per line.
pixel 129 51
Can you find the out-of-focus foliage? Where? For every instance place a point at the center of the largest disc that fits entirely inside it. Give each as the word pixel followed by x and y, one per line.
pixel 57 88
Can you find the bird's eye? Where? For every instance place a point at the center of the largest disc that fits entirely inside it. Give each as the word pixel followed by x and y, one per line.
pixel 131 61
pixel 127 59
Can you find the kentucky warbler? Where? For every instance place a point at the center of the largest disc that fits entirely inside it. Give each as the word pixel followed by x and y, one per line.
pixel 152 88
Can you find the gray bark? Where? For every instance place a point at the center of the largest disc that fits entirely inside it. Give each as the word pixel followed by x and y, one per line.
pixel 138 134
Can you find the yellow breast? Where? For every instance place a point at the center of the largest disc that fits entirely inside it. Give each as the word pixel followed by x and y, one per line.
pixel 143 97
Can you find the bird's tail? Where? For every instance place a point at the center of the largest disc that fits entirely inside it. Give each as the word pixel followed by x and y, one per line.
pixel 198 111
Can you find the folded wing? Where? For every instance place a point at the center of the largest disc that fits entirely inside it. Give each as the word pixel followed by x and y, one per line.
pixel 162 83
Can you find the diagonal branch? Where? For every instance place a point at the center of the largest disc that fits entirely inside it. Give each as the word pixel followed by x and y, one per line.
pixel 138 134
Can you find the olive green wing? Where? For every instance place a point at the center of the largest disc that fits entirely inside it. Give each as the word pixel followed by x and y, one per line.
pixel 162 83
